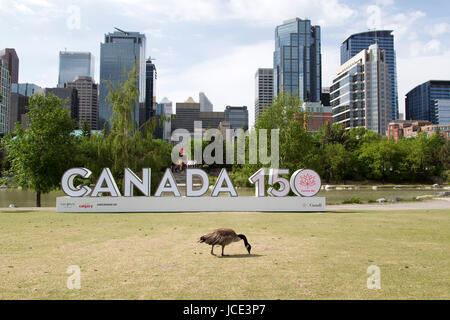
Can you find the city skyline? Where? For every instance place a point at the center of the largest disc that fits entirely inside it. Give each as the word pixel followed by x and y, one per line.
pixel 185 40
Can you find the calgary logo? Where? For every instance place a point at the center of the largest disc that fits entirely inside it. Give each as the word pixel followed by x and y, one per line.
pixel 86 206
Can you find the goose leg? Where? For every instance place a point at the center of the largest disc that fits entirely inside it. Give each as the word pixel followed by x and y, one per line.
pixel 212 250
pixel 223 255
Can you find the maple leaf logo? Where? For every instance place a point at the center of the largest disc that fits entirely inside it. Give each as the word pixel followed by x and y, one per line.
pixel 307 180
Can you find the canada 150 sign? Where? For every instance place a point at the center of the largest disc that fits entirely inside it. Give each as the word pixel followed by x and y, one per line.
pixel 106 196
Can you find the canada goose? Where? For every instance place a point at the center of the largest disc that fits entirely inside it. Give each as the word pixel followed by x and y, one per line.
pixel 223 237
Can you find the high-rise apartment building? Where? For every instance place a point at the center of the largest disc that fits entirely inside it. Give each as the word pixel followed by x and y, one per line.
pixel 237 117
pixel 5 98
pixel 75 64
pixel 10 56
pixel 355 43
pixel 263 90
pixel 120 52
pixel 87 93
pixel 205 104
pixel 361 92
pixel 297 60
pixel 421 103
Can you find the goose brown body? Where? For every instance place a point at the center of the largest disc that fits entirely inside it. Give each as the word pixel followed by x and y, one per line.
pixel 223 237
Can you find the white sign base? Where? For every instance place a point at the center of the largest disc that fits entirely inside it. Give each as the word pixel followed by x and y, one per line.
pixel 193 204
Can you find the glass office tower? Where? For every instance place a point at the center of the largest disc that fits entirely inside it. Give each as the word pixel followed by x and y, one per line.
pixel 385 39
pixel 421 102
pixel 297 59
pixel 150 98
pixel 75 64
pixel 120 52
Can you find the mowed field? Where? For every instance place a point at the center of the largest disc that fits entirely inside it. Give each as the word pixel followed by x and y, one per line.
pixel 294 255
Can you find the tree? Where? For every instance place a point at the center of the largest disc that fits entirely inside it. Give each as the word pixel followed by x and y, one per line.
pixel 122 145
pixel 297 149
pixel 85 128
pixel 40 154
pixel 380 159
pixel 335 162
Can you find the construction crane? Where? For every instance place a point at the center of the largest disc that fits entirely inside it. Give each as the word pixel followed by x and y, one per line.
pixel 127 33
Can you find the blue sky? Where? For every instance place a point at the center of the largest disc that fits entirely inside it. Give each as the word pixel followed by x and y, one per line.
pixel 215 46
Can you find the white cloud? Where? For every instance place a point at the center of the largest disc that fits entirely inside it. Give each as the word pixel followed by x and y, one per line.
pixel 385 2
pixel 325 12
pixel 430 48
pixel 438 29
pixel 23 9
pixel 42 10
pixel 153 33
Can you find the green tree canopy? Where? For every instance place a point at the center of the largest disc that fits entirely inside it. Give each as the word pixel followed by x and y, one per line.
pixel 40 154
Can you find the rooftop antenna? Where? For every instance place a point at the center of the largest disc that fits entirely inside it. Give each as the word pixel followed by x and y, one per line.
pixel 122 31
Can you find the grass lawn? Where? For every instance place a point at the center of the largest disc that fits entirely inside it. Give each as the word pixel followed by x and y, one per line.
pixel 294 255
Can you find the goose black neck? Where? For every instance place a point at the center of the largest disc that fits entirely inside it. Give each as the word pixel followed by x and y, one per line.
pixel 243 238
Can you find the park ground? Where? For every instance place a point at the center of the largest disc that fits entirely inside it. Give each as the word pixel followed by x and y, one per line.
pixel 294 255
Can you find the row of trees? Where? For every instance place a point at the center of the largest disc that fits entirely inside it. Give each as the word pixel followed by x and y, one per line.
pixel 37 157
pixel 340 155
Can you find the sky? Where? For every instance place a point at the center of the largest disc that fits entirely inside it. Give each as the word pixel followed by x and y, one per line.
pixel 216 46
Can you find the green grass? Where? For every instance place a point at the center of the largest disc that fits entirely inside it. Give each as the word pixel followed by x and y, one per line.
pixel 294 256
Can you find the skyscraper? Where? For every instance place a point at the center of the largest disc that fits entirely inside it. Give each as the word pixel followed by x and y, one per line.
pixel 385 39
pixel 10 56
pixel 205 104
pixel 361 92
pixel 121 51
pixel 74 64
pixel 297 60
pixel 5 99
pixel 150 96
pixel 167 128
pixel 425 101
pixel 263 90
pixel 87 91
